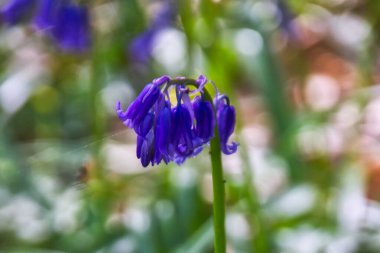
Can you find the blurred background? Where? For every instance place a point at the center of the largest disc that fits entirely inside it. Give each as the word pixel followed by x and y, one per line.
pixel 302 75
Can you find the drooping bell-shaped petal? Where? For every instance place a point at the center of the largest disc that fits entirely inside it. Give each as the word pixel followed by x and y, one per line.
pixel 140 141
pixel 226 118
pixel 286 20
pixel 138 109
pixel 145 148
pixel 45 15
pixel 72 28
pixel 163 135
pixel 182 134
pixel 204 116
pixel 15 10
pixel 146 124
pixel 188 105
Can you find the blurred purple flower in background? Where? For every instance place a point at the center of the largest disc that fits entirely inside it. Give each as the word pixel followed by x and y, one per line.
pixel 16 10
pixel 175 133
pixel 67 22
pixel 46 11
pixel 286 22
pixel 141 47
pixel 72 28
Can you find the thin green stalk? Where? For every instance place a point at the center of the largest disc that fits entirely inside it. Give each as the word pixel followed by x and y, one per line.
pixel 218 191
pixel 219 212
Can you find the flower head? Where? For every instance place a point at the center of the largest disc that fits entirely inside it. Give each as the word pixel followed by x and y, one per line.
pixel 167 132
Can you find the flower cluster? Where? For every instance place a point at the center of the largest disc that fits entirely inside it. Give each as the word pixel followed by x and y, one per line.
pixel 173 132
pixel 63 20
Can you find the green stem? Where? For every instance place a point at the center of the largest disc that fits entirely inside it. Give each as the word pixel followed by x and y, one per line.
pixel 218 191
pixel 217 177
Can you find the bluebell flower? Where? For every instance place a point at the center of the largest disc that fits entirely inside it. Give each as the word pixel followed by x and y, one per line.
pixel 182 133
pixel 205 120
pixel 71 28
pixel 163 134
pixel 137 111
pixel 167 132
pixel 45 14
pixel 16 10
pixel 65 21
pixel 145 149
pixel 226 118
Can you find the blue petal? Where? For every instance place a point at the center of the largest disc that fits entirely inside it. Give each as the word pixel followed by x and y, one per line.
pixel 120 113
pixel 139 108
pixel 46 13
pixel 204 116
pixel 140 141
pixel 163 132
pixel 182 138
pixel 226 125
pixel 72 28
pixel 15 10
pixel 143 128
pixel 147 149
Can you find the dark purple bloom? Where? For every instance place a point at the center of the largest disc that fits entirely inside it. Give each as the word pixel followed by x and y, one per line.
pixel 15 10
pixel 226 118
pixel 182 136
pixel 72 28
pixel 145 149
pixel 163 134
pixel 166 133
pixel 204 116
pixel 46 13
pixel 139 108
pixel 146 124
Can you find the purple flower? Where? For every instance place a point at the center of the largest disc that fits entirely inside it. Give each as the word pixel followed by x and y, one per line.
pixel 166 133
pixel 226 118
pixel 65 21
pixel 139 108
pixel 163 134
pixel 46 13
pixel 204 116
pixel 71 28
pixel 141 47
pixel 15 10
pixel 183 135
pixel 145 149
